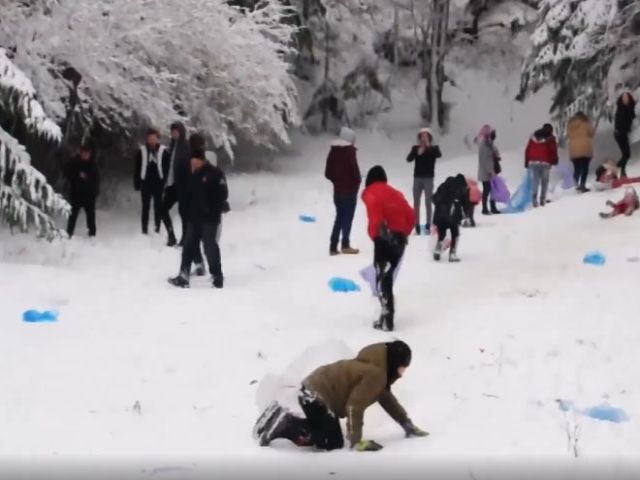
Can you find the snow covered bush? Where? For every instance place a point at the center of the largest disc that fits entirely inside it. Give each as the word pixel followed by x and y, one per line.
pixel 25 196
pixel 224 70
pixel 573 48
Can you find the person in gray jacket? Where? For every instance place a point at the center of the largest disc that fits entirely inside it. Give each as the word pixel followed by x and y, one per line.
pixel 486 167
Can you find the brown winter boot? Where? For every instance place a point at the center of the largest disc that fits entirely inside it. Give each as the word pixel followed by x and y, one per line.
pixel 350 251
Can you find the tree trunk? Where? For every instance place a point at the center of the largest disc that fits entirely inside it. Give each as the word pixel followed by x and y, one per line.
pixel 325 109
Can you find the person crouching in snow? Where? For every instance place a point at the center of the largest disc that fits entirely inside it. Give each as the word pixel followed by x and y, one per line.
pixel 342 389
pixel 391 220
pixel 343 172
pixel 629 204
pixel 475 196
pixel 451 201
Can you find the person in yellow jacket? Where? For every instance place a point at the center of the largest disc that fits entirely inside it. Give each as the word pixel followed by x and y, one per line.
pixel 344 389
pixel 580 135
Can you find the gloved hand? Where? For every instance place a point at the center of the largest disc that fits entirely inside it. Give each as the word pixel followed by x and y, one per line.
pixel 367 446
pixel 411 430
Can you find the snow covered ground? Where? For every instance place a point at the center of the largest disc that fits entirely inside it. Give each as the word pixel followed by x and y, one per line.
pixel 497 339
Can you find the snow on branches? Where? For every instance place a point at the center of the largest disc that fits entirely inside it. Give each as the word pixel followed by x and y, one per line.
pixel 25 196
pixel 573 48
pixel 222 69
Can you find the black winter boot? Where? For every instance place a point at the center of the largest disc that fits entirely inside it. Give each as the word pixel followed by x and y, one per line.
pixel 218 281
pixel 179 281
pixel 171 241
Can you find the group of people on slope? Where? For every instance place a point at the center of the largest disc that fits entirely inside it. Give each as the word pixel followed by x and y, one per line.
pixel 164 176
pixel 182 174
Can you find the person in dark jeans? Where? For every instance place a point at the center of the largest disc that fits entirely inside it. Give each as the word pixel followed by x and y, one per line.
pixel 424 155
pixel 343 172
pixel 342 389
pixel 625 115
pixel 82 175
pixel 179 165
pixel 208 195
pixel 152 165
pixel 580 135
pixel 391 220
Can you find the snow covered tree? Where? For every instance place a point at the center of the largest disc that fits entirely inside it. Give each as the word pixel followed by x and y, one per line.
pixel 574 47
pixel 223 70
pixel 25 196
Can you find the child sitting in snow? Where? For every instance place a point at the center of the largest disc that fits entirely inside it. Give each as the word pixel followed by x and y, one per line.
pixel 629 204
pixel 606 174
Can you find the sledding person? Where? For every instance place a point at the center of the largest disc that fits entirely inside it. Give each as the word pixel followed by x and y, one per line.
pixel 208 194
pixel 177 176
pixel 629 204
pixel 488 165
pixel 606 175
pixel 580 135
pixel 451 201
pixel 82 175
pixel 152 165
pixel 342 389
pixel 625 115
pixel 540 155
pixel 391 220
pixel 424 156
pixel 343 172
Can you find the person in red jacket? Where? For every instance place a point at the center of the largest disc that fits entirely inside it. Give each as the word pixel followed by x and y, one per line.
pixel 342 170
pixel 391 221
pixel 541 154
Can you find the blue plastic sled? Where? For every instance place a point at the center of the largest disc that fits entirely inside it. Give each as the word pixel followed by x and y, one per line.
pixel 595 258
pixel 307 219
pixel 603 412
pixel 522 197
pixel 34 316
pixel 343 285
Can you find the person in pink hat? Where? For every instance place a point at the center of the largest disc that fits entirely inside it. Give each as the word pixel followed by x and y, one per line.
pixel 488 162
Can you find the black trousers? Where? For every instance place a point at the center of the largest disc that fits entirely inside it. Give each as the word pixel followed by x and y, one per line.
pixel 322 425
pixel 581 170
pixel 206 233
pixel 454 228
pixel 169 199
pixel 88 204
pixel 387 253
pixel 625 148
pixel 151 191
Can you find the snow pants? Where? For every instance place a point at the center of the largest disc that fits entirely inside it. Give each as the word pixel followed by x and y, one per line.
pixel 207 233
pixel 387 253
pixel 88 204
pixel 323 425
pixel 486 195
pixel 420 185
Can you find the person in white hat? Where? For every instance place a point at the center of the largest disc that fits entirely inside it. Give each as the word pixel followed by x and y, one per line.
pixel 342 170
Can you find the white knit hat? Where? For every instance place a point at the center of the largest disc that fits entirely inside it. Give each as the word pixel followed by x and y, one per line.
pixel 348 135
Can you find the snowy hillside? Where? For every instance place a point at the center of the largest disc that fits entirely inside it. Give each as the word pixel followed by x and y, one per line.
pixel 497 339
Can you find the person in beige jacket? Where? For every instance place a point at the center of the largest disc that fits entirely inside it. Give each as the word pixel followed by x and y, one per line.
pixel 580 135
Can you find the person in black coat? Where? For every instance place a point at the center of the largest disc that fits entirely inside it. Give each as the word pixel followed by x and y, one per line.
pixel 152 168
pixel 177 175
pixel 82 175
pixel 206 200
pixel 424 156
pixel 451 201
pixel 625 114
